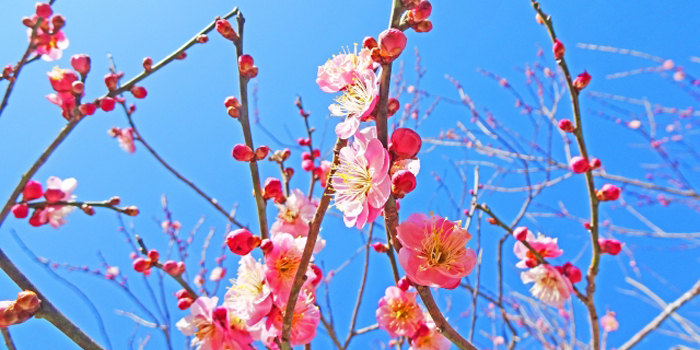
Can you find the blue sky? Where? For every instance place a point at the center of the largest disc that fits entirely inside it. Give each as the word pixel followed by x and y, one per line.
pixel 183 118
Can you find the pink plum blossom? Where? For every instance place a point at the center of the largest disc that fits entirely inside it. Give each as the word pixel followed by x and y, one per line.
pixel 295 214
pixel 49 46
pixel 547 247
pixel 59 191
pixel 342 70
pixel 361 182
pixel 356 103
pixel 64 100
pixel 549 285
pixel 126 140
pixel 304 321
pixel 213 328
pixel 428 338
pixel 250 297
pixel 608 322
pixel 434 251
pixel 398 313
pixel 282 262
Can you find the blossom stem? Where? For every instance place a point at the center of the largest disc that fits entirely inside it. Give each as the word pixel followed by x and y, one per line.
pixel 314 228
pixel 104 204
pixel 578 134
pixel 8 339
pixel 157 264
pixel 247 134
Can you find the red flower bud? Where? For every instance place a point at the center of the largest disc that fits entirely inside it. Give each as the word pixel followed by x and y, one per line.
pixel 87 108
pixel 266 246
pixel 380 247
pixel 153 255
pixel 58 22
pixel 422 11
pixel 36 219
pixel 261 152
pixel 403 182
pixel 184 304
pixel 318 273
pixel 20 210
pixel 405 143
pixel 131 211
pixel 609 246
pixel 393 106
pixel 566 125
pixel 558 49
pixel 572 272
pixel 423 26
pixel 202 38
pixel 579 165
pixel 369 42
pixel 307 165
pixel 520 233
pixel 111 81
pixel 114 201
pixel 53 195
pixel 32 190
pixel 273 188
pixel 170 267
pixel 147 64
pixel 81 63
pixel 595 163
pixel 87 209
pixel 243 153
pixel 304 141
pixel 107 104
pixel 241 241
pixel 139 92
pixel 233 112
pixel 608 193
pixel 391 43
pixel 231 101
pixel 289 172
pixel 182 293
pixel 181 56
pixel 582 81
pixel 141 264
pixel 78 87
pixel 226 30
pixel 43 10
pixel 404 283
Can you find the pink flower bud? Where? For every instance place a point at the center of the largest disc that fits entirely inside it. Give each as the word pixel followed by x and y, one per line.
pixel 58 22
pixel 520 233
pixel 32 190
pixel 318 273
pixel 289 172
pixel 62 79
pixel 226 30
pixel 111 81
pixel 53 195
pixel 422 11
pixel 380 247
pixel 233 112
pixel 184 304
pixel 202 39
pixel 182 294
pixel 391 43
pixel 43 10
pixel 393 106
pixel 20 211
pixel 304 141
pixel 153 255
pixel 141 264
pixel 572 272
pixel 87 108
pixel 582 81
pixel 579 165
pixel 81 63
pixel 405 143
pixel 78 87
pixel 28 301
pixel 558 49
pixel 241 241
pixel 403 182
pixel 404 283
pixel 243 153
pixel 266 246
pixel 139 92
pixel 147 64
pixel 170 267
pixel 272 189
pixel 307 165
pixel 261 152
pixel 608 192
pixel 566 125
pixel 231 101
pixel 107 104
pixel 7 71
pixel 423 26
pixel 131 211
pixel 609 246
pixel 595 163
pixel 245 63
pixel 369 42
pixel 36 220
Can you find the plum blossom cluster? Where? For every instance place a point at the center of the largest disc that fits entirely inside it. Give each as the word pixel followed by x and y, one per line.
pixel 399 314
pixel 49 41
pixel 125 138
pixel 53 209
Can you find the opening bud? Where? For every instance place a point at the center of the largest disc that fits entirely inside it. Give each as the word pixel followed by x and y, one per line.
pixel 391 44
pixel 403 182
pixel 582 81
pixel 405 143
pixel 243 153
pixel 558 49
pixel 608 192
pixel 566 125
pixel 226 30
pixel 241 241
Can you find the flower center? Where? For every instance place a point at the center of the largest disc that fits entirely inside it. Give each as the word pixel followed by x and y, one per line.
pixel 355 99
pixel 287 266
pixel 357 177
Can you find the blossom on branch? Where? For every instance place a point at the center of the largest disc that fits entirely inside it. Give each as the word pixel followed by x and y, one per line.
pixel 398 313
pixel 549 286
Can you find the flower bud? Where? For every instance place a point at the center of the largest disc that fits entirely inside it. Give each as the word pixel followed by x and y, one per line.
pixel 78 87
pixel 318 275
pixel 572 272
pixel 422 10
pixel 582 81
pixel 20 211
pixel 558 49
pixel 492 221
pixel 153 255
pixel 58 22
pixel 111 81
pixel 241 241
pixel 88 209
pixel 261 152
pixel 579 165
pixel 131 211
pixel 369 42
pixel 8 313
pixel 114 201
pixel 139 92
pixel 231 101
pixel 36 220
pixel 43 10
pixel 62 79
pixel 304 141
pixel 226 30
pixel 182 293
pixel 404 283
pixel 181 56
pixel 273 188
pixel 520 233
pixel 107 104
pixel 595 163
pixel 289 172
pixel 608 192
pixel 141 264
pixel 7 71
pixel 266 246
pixel 28 301
pixel 285 154
pixel 539 19
pixel 29 22
pixel 147 64
pixel 243 153
pixel 32 190
pixel 403 182
pixel 307 165
pixel 202 38
pixel 233 112
pixel 566 125
pixel 391 43
pixel 87 108
pixel 170 267
pixel 423 26
pixel 184 304
pixel 380 247
pixel 53 195
pixel 410 4
pixel 393 106
pixel 405 143
pixel 609 246
pixel 81 63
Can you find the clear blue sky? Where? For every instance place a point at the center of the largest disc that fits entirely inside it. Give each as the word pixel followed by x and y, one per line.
pixel 183 118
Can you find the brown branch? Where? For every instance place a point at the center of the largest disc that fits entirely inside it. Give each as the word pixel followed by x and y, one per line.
pixel 668 311
pixel 247 134
pixel 314 228
pixel 8 340
pixel 157 264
